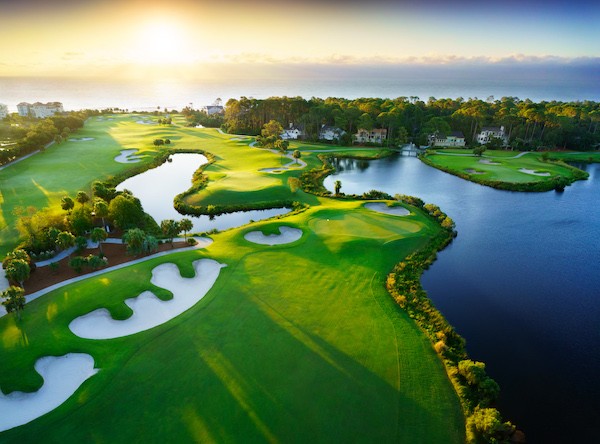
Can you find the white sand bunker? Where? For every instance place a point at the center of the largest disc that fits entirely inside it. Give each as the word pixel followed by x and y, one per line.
pixel 534 173
pixel 145 122
pixel 488 162
pixel 381 207
pixel 287 236
pixel 272 170
pixel 83 139
pixel 127 156
pixel 148 310
pixel 63 375
pixel 472 171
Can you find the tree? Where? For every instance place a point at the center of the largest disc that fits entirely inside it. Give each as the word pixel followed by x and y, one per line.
pixel 338 186
pixel 185 225
pixel 65 240
pixel 170 229
pixel 67 204
pixel 134 240
pixel 282 146
pixel 99 235
pixel 126 211
pixel 14 300
pixel 486 426
pixel 158 142
pixel 18 270
pixel 479 150
pixel 272 128
pixel 101 209
pixel 81 220
pixel 296 155
pixel 82 197
pixel 150 244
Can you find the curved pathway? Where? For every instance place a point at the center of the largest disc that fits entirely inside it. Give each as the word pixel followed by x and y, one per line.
pixel 202 243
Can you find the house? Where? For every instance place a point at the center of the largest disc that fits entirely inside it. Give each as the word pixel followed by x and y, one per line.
pixel 3 110
pixel 292 133
pixel 330 133
pixel 213 109
pixel 489 132
pixel 454 139
pixel 377 135
pixel 40 110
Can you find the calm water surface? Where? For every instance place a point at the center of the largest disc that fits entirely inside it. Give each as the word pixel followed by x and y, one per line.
pixel 520 283
pixel 157 187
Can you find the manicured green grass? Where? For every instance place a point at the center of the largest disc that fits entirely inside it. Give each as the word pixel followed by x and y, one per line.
pixel 504 167
pixel 571 156
pixel 43 179
pixel 294 343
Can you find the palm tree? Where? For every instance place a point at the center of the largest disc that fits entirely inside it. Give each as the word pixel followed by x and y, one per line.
pixel 185 225
pixel 98 235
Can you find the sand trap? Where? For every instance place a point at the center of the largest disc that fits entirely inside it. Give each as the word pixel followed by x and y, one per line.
pixel 145 122
pixel 272 170
pixel 83 139
pixel 533 172
pixel 127 156
pixel 287 236
pixel 380 207
pixel 488 162
pixel 148 310
pixel 472 171
pixel 63 375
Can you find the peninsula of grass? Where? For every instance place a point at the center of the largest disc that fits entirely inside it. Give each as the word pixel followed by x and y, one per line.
pixel 63 169
pixel 293 343
pixel 506 170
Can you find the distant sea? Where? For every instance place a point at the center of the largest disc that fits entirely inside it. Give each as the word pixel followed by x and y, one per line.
pixel 538 84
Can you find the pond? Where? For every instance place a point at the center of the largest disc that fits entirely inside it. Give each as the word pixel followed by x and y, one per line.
pixel 157 187
pixel 520 283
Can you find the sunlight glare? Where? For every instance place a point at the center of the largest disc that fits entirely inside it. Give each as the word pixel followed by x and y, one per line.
pixel 160 41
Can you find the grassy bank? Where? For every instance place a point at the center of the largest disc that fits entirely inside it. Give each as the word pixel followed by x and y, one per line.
pixel 505 170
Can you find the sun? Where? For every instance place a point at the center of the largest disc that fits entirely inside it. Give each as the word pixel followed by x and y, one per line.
pixel 160 41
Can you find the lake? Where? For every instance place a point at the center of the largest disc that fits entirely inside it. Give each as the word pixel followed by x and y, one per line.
pixel 157 187
pixel 520 283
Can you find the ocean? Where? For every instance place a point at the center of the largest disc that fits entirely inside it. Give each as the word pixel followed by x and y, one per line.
pixel 541 83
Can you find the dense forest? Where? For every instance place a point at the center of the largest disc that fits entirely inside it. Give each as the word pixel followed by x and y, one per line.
pixel 528 125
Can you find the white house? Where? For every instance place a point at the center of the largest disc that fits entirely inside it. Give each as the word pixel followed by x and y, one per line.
pixel 40 110
pixel 330 133
pixel 377 135
pixel 3 110
pixel 213 109
pixel 489 132
pixel 454 139
pixel 292 133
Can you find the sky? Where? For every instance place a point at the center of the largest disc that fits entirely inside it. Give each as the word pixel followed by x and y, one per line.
pixel 130 38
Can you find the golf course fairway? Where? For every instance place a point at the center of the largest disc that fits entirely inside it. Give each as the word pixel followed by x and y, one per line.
pixel 294 342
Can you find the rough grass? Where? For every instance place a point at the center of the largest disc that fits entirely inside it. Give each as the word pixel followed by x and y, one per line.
pixel 293 343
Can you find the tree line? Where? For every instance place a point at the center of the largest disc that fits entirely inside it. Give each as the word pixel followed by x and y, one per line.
pixel 528 125
pixel 33 134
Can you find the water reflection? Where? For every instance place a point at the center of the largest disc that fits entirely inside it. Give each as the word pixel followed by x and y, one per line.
pixel 520 283
pixel 157 187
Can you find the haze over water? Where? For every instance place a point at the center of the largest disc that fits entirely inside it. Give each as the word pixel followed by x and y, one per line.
pixel 578 83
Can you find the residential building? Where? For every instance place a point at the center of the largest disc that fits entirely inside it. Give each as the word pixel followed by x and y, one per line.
pixel 213 109
pixel 40 110
pixel 330 133
pixel 292 133
pixel 489 132
pixel 3 110
pixel 377 135
pixel 454 139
